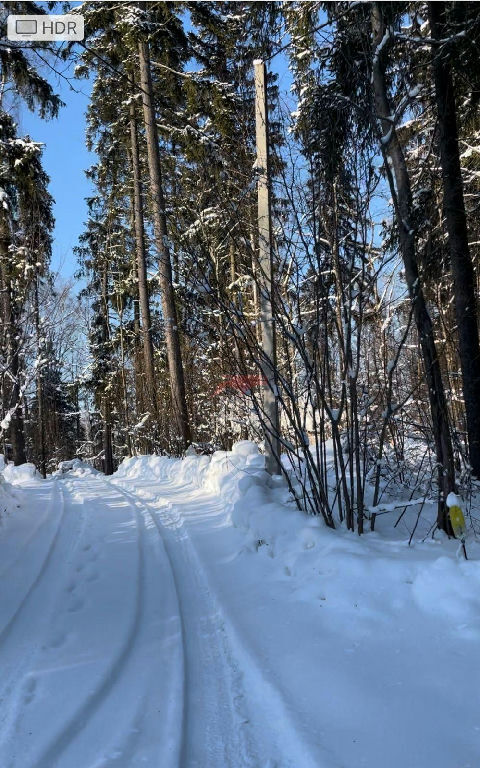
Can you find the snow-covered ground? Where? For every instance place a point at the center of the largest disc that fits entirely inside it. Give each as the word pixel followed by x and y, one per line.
pixel 184 614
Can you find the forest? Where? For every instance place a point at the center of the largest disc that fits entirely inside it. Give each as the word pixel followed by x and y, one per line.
pixel 296 269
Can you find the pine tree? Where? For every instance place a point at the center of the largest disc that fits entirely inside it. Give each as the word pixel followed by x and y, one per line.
pixel 26 224
pixel 19 74
pixel 118 35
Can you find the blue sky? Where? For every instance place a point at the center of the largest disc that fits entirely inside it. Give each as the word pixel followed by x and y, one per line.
pixel 65 160
pixel 65 155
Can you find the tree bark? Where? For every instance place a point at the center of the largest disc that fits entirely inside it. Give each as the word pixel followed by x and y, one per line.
pixel 146 330
pixel 172 336
pixel 400 188
pixel 106 415
pixel 39 383
pixel 456 224
pixel 137 348
pixel 107 438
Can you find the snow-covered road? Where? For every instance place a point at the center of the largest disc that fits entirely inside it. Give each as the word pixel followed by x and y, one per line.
pixel 181 615
pixel 110 656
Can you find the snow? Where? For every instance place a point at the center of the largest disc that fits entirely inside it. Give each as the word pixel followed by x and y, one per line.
pixel 245 448
pixel 5 423
pixel 184 613
pixel 302 54
pixel 453 500
pixel 10 500
pixel 4 199
pixel 20 475
pixel 141 423
pixel 381 46
pixel 76 467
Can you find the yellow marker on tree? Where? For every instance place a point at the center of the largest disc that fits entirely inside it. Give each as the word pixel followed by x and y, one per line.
pixel 457 519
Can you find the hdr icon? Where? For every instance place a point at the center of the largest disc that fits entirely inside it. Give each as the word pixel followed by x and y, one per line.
pixel 41 28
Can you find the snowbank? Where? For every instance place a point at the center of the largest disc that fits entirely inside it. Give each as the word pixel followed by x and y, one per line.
pixel 75 467
pixel 10 498
pixel 263 509
pixel 361 650
pixel 378 570
pixel 24 473
pixel 226 473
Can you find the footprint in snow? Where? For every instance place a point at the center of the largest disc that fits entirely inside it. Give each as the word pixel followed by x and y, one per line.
pixel 30 688
pixel 92 576
pixel 76 605
pixel 57 640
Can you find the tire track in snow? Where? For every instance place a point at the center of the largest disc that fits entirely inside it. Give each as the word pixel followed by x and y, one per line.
pixel 238 746
pixel 209 657
pixel 129 720
pixel 138 504
pixel 33 533
pixel 279 709
pixel 79 720
pixel 19 646
pixel 6 629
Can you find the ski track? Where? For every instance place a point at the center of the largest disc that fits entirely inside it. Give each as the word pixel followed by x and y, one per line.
pixel 17 560
pixel 21 623
pixel 207 739
pixel 166 501
pixel 61 587
pixel 80 718
pixel 121 647
pixel 34 530
pixel 158 684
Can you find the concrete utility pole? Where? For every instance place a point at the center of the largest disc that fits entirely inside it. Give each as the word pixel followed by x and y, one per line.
pixel 265 274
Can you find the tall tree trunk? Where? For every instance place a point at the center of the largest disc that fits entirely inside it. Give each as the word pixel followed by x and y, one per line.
pixel 137 348
pixel 148 359
pixel 107 438
pixel 78 424
pixel 39 383
pixel 12 390
pixel 456 223
pixel 17 434
pixel 172 336
pixel 400 188
pixel 106 409
pixel 123 369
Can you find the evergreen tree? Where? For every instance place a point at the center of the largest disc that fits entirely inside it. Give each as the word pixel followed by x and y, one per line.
pixel 22 177
pixel 26 224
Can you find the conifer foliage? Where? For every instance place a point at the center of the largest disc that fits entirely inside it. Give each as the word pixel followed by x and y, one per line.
pixel 373 133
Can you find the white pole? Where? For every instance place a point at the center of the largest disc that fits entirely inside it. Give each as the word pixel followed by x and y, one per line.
pixel 265 272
